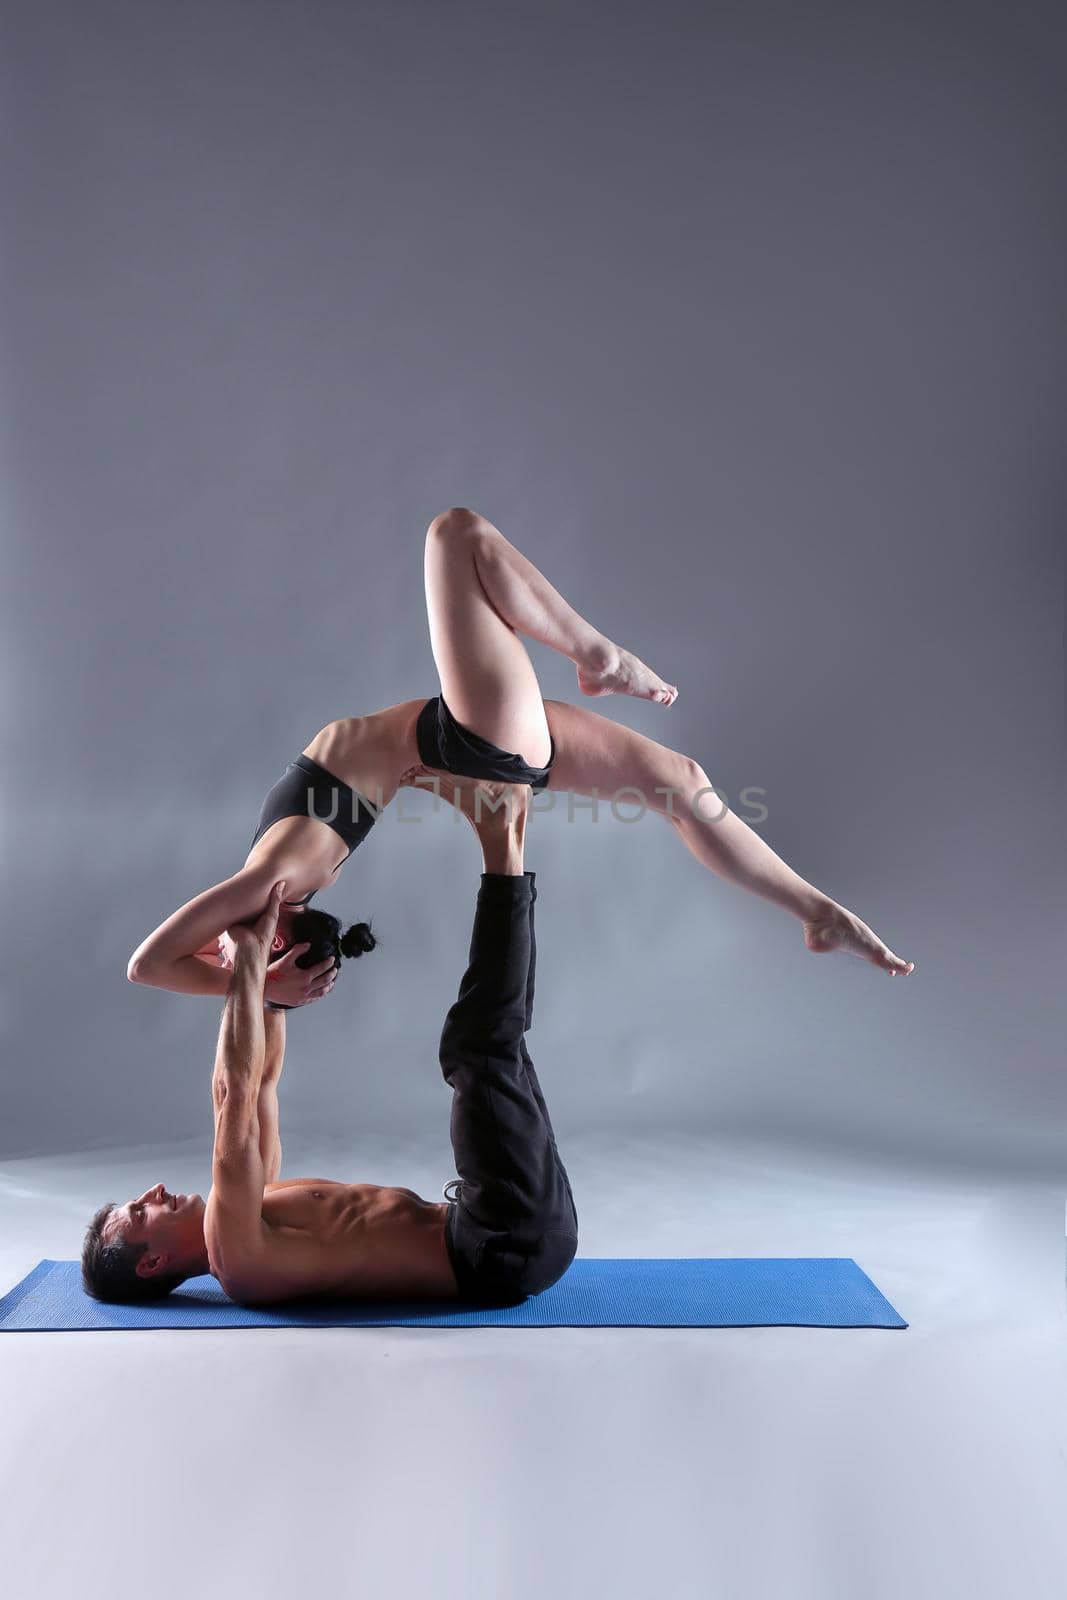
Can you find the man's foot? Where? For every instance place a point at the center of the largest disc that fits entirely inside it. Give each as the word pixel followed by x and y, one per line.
pixel 497 812
pixel 496 808
pixel 838 929
pixel 615 671
pixel 488 806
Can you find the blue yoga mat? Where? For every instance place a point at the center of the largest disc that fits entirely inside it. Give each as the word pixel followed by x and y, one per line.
pixel 699 1292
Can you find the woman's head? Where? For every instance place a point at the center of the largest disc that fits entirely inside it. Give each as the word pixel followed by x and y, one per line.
pixel 322 934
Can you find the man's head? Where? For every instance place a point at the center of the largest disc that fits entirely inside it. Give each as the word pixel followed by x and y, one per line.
pixel 144 1248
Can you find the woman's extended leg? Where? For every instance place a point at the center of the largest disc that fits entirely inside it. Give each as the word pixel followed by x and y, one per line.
pixel 595 756
pixel 481 593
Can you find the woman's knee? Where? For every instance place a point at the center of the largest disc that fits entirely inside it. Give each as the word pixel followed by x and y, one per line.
pixel 459 524
pixel 680 786
pixel 700 801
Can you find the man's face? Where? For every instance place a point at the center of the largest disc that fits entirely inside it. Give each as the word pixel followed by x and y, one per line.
pixel 171 1225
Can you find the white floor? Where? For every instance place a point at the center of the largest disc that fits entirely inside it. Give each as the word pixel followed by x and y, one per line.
pixel 486 1464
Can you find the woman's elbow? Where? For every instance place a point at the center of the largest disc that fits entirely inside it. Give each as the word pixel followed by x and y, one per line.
pixel 137 970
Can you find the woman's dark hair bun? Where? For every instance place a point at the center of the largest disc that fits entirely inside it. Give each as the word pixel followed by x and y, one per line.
pixel 358 940
pixel 321 931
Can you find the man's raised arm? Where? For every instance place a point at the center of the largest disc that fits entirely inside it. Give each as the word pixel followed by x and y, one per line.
pixel 236 1205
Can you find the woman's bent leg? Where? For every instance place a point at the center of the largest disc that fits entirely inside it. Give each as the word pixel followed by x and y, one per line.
pixel 595 755
pixel 481 594
pixel 487 679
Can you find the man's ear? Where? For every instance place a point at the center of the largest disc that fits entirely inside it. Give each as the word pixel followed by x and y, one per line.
pixel 149 1266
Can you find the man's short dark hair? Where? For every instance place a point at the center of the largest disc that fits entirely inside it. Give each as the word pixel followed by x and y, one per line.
pixel 109 1266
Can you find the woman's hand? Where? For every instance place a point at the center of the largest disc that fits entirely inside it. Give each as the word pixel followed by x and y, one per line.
pixel 290 985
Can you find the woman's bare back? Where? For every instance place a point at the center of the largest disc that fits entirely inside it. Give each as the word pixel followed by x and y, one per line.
pixel 370 753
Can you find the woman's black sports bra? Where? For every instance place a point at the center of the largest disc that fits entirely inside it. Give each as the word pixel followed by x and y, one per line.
pixel 307 790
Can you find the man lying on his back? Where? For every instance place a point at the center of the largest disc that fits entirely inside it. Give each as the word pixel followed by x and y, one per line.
pixel 512 1228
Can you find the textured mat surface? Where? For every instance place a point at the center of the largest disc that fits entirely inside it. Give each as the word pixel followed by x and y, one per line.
pixel 698 1292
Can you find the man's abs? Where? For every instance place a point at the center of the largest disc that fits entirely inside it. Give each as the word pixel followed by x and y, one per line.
pixel 347 1241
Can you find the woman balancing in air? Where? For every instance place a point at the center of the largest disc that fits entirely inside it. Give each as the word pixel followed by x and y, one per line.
pixel 482 595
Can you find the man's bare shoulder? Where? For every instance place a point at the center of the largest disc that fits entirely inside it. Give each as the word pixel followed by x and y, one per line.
pixel 288 1249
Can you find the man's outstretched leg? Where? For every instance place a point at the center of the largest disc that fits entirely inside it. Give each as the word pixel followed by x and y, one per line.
pixel 513 1229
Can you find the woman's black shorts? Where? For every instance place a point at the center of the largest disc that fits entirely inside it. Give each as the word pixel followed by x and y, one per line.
pixel 446 744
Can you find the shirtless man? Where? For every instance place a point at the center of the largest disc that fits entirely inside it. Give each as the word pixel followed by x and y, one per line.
pixel 511 1231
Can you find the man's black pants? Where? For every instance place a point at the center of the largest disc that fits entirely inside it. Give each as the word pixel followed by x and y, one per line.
pixel 513 1230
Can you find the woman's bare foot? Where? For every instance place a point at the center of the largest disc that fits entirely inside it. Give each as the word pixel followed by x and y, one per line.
pixel 838 929
pixel 610 670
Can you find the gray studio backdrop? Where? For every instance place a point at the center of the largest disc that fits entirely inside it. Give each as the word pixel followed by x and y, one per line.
pixel 741 321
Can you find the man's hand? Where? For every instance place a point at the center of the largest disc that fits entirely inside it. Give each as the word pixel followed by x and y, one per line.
pixel 252 941
pixel 288 984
